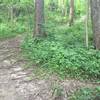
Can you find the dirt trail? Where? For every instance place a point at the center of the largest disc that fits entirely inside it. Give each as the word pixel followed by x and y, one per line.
pixel 15 81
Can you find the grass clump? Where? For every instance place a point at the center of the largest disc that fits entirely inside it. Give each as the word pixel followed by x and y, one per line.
pixel 86 94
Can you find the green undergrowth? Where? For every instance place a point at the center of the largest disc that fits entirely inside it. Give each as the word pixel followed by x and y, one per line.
pixel 86 94
pixel 19 25
pixel 8 30
pixel 63 52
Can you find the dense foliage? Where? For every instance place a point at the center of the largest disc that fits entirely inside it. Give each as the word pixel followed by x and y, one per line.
pixel 23 15
pixel 65 53
pixel 87 94
pixel 18 21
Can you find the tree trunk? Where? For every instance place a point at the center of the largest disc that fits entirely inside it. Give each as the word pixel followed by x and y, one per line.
pixel 86 24
pixel 11 14
pixel 95 15
pixel 39 18
pixel 64 8
pixel 71 15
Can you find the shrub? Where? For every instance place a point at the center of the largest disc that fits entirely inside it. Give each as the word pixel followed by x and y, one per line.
pixel 86 94
pixel 9 30
pixel 66 61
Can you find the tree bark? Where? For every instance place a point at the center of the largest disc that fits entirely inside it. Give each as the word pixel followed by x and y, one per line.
pixel 39 19
pixel 95 16
pixel 71 15
pixel 86 24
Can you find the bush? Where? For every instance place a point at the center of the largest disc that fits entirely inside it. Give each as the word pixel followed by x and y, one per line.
pixel 77 62
pixel 4 30
pixel 86 94
pixel 9 30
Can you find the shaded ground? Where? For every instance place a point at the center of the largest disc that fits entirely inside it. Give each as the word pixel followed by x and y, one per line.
pixel 15 83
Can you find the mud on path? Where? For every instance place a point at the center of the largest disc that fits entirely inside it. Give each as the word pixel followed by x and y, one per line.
pixel 15 83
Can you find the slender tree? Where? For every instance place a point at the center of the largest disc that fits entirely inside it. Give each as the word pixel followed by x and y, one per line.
pixel 86 24
pixel 39 18
pixel 95 15
pixel 71 15
pixel 64 7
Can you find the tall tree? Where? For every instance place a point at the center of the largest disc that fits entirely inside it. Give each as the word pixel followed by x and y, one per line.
pixel 71 15
pixel 95 15
pixel 86 24
pixel 39 18
pixel 64 7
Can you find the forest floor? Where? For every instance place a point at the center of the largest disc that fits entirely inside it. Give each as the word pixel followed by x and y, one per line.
pixel 15 82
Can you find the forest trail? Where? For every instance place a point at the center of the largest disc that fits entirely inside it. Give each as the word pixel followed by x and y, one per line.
pixel 15 83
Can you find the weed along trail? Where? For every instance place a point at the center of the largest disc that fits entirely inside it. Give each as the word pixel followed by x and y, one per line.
pixel 15 82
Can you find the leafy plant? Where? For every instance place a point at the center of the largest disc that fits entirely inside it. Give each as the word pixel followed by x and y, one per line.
pixel 86 94
pixel 77 62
